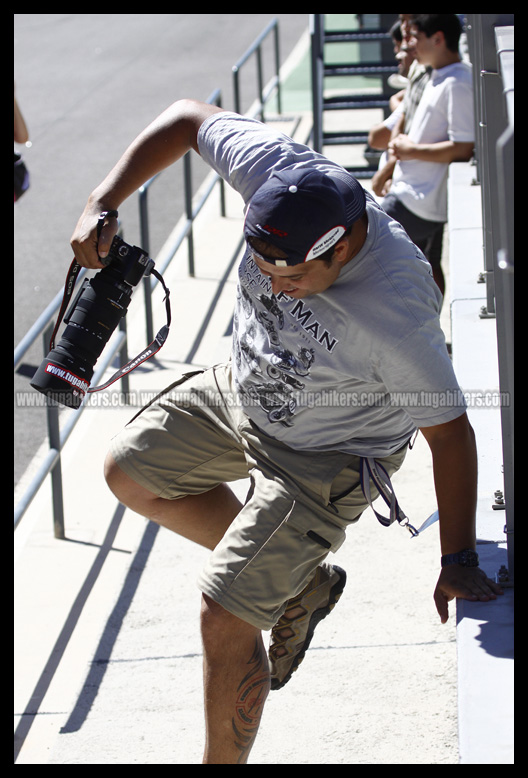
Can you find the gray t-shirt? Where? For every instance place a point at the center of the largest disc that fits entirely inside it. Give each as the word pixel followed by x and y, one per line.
pixel 356 368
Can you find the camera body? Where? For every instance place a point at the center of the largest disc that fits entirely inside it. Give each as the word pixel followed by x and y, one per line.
pixel 66 372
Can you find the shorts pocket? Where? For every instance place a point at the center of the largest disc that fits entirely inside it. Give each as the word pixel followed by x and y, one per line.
pixel 323 533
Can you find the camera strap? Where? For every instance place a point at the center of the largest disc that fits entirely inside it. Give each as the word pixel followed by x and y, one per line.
pixel 151 349
pixel 72 276
pixel 69 286
pixel 160 338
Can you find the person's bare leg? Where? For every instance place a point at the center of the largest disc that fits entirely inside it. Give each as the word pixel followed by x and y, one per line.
pixel 202 518
pixel 236 684
pixel 236 670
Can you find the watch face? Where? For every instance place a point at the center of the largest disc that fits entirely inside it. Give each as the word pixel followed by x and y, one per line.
pixel 468 558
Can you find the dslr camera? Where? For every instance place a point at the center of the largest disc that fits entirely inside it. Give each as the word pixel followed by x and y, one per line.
pixel 65 374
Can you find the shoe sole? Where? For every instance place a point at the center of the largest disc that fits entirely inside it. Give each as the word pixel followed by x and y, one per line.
pixel 317 616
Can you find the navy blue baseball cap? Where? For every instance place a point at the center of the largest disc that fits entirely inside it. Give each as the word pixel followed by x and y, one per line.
pixel 304 212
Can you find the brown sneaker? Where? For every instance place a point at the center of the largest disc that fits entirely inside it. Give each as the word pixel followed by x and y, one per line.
pixel 291 635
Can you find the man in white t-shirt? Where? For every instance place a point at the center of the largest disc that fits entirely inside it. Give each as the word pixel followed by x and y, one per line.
pixel 442 131
pixel 336 348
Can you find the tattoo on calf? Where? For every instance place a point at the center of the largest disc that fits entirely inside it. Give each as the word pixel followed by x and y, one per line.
pixel 252 692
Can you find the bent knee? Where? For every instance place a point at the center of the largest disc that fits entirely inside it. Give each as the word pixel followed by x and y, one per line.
pixel 216 621
pixel 112 472
pixel 123 487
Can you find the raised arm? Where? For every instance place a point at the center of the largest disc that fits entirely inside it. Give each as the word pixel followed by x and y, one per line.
pixel 160 144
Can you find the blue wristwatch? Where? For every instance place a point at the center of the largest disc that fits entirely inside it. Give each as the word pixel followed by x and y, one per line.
pixel 466 558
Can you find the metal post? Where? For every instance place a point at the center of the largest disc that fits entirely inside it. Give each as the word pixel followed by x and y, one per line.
pixel 260 82
pixel 491 123
pixel 277 68
pixel 256 48
pixel 189 208
pixel 144 238
pixel 52 418
pixel 317 33
pixel 123 356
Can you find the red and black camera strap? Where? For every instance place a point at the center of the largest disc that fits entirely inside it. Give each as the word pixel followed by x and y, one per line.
pixel 150 350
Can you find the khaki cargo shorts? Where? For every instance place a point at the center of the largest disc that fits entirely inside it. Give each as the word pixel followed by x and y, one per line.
pixel 195 436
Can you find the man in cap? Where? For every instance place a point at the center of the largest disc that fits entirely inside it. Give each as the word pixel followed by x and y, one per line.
pixel 335 325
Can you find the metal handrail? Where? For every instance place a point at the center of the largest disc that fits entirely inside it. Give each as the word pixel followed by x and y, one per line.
pixel 193 207
pixel 51 464
pixel 264 91
pixel 41 324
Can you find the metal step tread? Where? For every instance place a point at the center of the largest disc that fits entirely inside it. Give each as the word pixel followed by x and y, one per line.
pixel 361 36
pixel 360 69
pixel 344 138
pixel 342 102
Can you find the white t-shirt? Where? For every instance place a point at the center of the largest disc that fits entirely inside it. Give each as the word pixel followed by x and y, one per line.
pixel 356 368
pixel 445 112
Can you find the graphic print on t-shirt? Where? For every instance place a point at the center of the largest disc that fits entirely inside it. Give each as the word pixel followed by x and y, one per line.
pixel 268 374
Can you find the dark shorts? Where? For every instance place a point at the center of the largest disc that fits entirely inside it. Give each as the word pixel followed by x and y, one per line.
pixel 427 235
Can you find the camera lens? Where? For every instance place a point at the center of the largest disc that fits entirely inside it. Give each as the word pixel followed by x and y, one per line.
pixel 65 374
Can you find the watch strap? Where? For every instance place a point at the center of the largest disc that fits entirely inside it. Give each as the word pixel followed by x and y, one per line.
pixel 467 558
